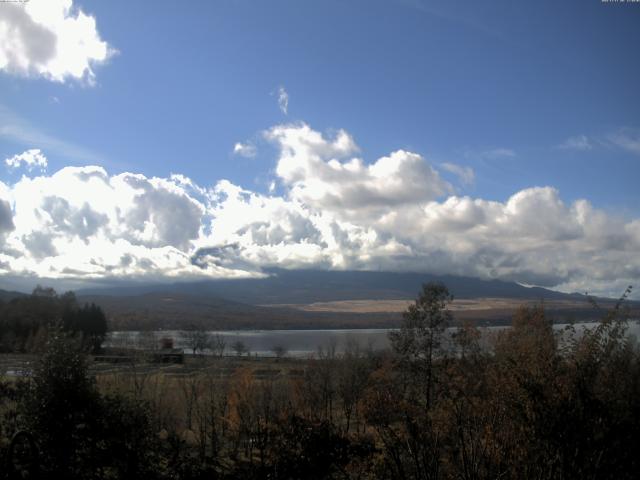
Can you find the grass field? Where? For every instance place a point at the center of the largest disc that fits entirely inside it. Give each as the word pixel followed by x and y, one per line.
pixel 20 365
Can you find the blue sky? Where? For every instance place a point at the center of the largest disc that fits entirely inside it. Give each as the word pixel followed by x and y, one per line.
pixel 515 94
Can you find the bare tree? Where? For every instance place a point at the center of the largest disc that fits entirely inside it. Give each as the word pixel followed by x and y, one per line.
pixel 218 344
pixel 190 388
pixel 239 347
pixel 197 338
pixel 210 411
pixel 280 351
pixel 352 377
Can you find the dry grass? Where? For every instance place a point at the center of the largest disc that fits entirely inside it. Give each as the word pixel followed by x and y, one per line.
pixel 394 306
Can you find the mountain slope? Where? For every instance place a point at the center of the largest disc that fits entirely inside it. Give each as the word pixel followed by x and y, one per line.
pixel 308 286
pixel 294 299
pixel 171 310
pixel 8 295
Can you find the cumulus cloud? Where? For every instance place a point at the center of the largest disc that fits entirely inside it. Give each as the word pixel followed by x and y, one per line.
pixel 6 217
pixel 81 221
pixel 335 211
pixel 31 159
pixel 324 174
pixel 283 100
pixel 51 39
pixel 246 150
pixel 566 246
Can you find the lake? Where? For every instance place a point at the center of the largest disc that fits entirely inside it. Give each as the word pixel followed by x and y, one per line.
pixel 297 343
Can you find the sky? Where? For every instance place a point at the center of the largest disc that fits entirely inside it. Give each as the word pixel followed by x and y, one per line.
pixel 164 141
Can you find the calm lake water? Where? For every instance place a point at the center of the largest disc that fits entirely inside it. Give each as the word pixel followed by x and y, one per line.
pixel 298 343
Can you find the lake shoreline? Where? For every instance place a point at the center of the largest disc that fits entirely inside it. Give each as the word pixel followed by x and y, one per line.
pixel 298 342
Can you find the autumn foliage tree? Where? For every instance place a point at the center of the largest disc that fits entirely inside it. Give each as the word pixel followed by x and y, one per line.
pixel 25 320
pixel 419 341
pixel 81 433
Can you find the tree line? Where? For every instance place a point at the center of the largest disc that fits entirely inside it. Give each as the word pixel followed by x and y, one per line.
pixel 535 403
pixel 25 320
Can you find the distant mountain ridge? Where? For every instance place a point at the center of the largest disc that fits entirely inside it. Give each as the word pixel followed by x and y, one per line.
pixel 171 310
pixel 309 286
pixel 8 295
pixel 281 301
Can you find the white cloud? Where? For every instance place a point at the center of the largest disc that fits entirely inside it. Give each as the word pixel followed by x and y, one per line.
pixel 6 218
pixel 579 142
pixel 465 174
pixel 246 150
pixel 492 154
pixel 627 139
pixel 336 211
pixel 512 240
pixel 82 222
pixel 51 39
pixel 283 100
pixel 31 159
pixel 325 175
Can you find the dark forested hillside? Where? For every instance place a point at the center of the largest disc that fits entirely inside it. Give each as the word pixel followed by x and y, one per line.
pixel 24 320
pixel 240 304
pixel 170 310
pixel 7 295
pixel 307 286
pixel 278 301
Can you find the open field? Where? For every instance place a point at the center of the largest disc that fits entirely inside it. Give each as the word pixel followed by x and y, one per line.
pixel 220 368
pixel 20 365
pixel 394 306
pixel 481 311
